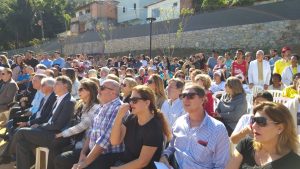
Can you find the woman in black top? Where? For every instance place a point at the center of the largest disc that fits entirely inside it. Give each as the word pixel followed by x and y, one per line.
pixel 142 132
pixel 275 141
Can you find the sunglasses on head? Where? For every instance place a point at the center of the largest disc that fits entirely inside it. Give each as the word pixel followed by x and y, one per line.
pixel 261 121
pixel 104 87
pixel 188 95
pixel 150 81
pixel 134 100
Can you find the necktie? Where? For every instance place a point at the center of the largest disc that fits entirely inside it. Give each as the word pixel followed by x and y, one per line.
pixel 41 103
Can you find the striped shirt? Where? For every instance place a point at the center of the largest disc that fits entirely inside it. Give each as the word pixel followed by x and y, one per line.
pixel 85 123
pixel 100 130
pixel 203 147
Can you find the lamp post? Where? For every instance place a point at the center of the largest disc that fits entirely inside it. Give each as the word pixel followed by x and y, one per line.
pixel 151 19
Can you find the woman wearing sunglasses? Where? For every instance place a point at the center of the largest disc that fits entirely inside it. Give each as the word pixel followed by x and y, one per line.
pixel 126 88
pixel 157 85
pixel 142 132
pixel 233 104
pixel 275 143
pixel 87 108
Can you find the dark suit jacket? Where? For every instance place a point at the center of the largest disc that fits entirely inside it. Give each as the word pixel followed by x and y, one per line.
pixel 8 91
pixel 45 112
pixel 62 115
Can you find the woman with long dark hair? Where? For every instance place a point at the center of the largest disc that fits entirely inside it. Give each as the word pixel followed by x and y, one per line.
pixel 142 132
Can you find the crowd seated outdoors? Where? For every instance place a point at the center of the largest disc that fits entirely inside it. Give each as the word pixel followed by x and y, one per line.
pixel 140 112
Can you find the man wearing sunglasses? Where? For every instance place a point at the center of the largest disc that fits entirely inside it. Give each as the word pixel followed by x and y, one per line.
pixel 97 143
pixel 201 141
pixel 8 89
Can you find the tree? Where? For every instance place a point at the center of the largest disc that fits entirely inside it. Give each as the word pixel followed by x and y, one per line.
pixel 169 23
pixel 21 21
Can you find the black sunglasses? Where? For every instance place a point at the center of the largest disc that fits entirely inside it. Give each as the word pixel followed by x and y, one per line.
pixel 134 100
pixel 104 87
pixel 261 121
pixel 188 95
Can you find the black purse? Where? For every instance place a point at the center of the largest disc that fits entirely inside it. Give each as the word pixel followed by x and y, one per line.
pixel 75 121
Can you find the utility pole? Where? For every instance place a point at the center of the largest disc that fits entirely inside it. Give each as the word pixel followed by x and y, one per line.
pixel 151 19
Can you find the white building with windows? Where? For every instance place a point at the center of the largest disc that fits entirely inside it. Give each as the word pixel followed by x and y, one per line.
pixel 164 10
pixel 132 12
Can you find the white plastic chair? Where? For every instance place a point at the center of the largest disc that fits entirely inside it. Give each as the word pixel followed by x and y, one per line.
pixel 281 100
pixel 38 157
pixel 218 93
pixel 256 89
pixel 249 98
pixel 275 93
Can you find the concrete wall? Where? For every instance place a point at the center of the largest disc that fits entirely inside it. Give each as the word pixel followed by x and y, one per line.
pixel 251 36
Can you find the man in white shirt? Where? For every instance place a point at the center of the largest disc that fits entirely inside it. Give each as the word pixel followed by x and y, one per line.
pixel 259 72
pixel 173 107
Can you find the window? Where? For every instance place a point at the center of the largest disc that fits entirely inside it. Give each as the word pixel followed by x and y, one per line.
pixel 134 6
pixel 124 9
pixel 155 13
pixel 175 4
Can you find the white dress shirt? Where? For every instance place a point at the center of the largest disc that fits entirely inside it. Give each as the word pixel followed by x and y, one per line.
pixel 172 110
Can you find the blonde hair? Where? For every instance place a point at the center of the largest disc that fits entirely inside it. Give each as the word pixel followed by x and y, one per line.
pixel 159 86
pixel 280 114
pixel 4 60
pixel 131 82
pixel 113 77
pixel 205 79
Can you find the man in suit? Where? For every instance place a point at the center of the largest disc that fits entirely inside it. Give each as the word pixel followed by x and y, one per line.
pixel 43 135
pixel 8 91
pixel 41 116
pixel 259 72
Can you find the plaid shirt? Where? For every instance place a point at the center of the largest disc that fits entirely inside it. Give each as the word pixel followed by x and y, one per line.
pixel 101 129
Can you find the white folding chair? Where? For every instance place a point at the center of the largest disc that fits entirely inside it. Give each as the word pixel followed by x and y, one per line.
pixel 256 89
pixel 218 93
pixel 38 157
pixel 275 93
pixel 249 98
pixel 281 100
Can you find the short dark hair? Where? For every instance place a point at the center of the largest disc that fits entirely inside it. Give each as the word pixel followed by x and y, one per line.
pixel 264 94
pixel 240 50
pixel 296 75
pixel 276 75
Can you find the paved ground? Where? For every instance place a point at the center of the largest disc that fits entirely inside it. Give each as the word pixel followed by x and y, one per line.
pixel 5 166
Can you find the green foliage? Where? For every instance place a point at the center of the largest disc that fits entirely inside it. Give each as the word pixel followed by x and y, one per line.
pixel 20 21
pixel 213 4
pixel 35 42
pixel 240 2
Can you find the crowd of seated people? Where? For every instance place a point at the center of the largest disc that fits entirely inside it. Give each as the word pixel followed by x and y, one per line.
pixel 131 112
